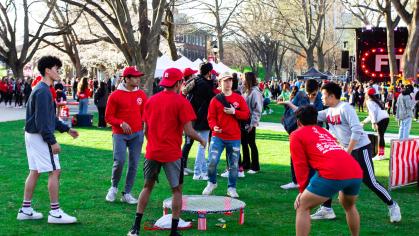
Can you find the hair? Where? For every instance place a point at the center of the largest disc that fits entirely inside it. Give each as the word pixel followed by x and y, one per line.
pixel 82 85
pixel 311 85
pixel 376 100
pixel 307 115
pixel 286 86
pixel 250 80
pixel 294 91
pixel 406 91
pixel 235 82
pixel 205 68
pixel 333 88
pixel 48 62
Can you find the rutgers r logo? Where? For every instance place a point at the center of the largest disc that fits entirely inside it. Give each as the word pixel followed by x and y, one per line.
pixel 139 101
pixel 236 105
pixel 334 120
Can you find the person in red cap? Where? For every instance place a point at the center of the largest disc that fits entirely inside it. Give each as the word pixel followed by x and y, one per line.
pixel 124 112
pixel 379 118
pixel 188 81
pixel 164 140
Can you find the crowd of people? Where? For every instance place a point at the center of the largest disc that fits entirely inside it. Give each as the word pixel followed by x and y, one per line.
pixel 221 112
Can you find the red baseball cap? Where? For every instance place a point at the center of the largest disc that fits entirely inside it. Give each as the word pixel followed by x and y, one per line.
pixel 371 91
pixel 170 77
pixel 188 71
pixel 132 71
pixel 213 72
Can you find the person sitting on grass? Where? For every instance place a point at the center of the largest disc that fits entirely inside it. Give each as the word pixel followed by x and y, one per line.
pixel 336 171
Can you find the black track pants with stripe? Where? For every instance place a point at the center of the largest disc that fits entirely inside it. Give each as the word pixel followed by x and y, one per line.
pixel 363 156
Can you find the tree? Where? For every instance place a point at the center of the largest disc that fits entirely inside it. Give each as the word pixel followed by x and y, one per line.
pixel 17 56
pixel 366 16
pixel 140 45
pixel 411 53
pixel 169 32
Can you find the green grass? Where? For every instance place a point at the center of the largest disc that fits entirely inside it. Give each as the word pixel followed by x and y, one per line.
pixel 392 126
pixel 87 163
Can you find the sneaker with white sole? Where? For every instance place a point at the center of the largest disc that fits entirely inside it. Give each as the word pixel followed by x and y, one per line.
pixel 379 158
pixel 128 198
pixel 60 217
pixel 204 177
pixel 189 171
pixel 225 174
pixel 28 214
pixel 133 232
pixel 196 177
pixel 291 185
pixel 323 213
pixel 111 196
pixel 209 189
pixel 252 172
pixel 231 192
pixel 394 212
pixel 240 174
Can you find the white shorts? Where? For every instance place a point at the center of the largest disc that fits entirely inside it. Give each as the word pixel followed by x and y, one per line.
pixel 40 157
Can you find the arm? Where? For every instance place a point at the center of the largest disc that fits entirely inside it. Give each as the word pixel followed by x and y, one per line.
pixel 212 114
pixel 356 128
pixel 189 131
pixel 110 113
pixel 43 112
pixel 321 117
pixel 244 112
pixel 300 162
pixel 257 109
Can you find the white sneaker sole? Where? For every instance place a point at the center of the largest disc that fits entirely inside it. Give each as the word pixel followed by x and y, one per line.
pixel 21 216
pixel 53 220
pixel 323 218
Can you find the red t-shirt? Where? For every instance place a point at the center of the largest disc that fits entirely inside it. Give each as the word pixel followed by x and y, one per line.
pixel 85 94
pixel 229 125
pixel 125 106
pixel 165 115
pixel 314 146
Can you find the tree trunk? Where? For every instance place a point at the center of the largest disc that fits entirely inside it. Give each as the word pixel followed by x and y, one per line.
pixel 320 59
pixel 310 57
pixel 169 21
pixel 17 69
pixel 412 47
pixel 220 44
pixel 391 52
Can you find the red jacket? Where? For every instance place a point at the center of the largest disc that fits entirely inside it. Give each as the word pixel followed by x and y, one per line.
pixel 314 146
pixel 229 124
pixel 3 87
pixel 125 106
pixel 85 94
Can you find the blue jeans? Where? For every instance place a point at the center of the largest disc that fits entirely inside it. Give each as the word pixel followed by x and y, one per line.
pixel 233 152
pixel 121 142
pixel 201 165
pixel 404 129
pixel 83 105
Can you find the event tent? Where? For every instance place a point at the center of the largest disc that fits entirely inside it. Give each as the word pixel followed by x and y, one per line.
pixel 312 73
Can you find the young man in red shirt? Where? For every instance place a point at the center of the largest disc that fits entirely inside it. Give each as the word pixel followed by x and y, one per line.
pixel 224 112
pixel 336 171
pixel 166 115
pixel 124 111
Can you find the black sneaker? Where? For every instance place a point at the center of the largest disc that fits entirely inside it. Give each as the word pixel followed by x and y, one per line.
pixel 133 232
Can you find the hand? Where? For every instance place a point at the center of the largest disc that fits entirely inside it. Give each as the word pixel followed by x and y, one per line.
pixel 55 148
pixel 283 102
pixel 73 133
pixel 203 142
pixel 375 127
pixel 297 201
pixel 217 129
pixel 249 129
pixel 230 110
pixel 126 128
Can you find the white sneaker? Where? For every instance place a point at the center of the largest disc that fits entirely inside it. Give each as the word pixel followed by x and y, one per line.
pixel 323 213
pixel 379 158
pixel 252 172
pixel 60 217
pixel 271 111
pixel 128 198
pixel 210 187
pixel 204 177
pixel 394 212
pixel 196 177
pixel 264 113
pixel 187 170
pixel 291 185
pixel 232 192
pixel 225 174
pixel 185 173
pixel 28 214
pixel 111 196
pixel 241 174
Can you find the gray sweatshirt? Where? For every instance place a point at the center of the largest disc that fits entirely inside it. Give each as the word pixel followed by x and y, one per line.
pixel 344 124
pixel 405 105
pixel 254 101
pixel 40 114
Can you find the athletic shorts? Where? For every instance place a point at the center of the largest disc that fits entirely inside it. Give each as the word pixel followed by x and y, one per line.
pixel 328 188
pixel 173 170
pixel 39 153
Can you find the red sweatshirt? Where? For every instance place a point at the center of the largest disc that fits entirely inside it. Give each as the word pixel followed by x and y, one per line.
pixel 85 94
pixel 229 125
pixel 125 106
pixel 314 146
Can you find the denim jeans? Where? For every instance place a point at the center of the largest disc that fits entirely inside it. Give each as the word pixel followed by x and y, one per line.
pixel 121 142
pixel 83 105
pixel 404 129
pixel 233 152
pixel 201 165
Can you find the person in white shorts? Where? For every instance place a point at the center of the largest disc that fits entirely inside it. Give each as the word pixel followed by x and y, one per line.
pixel 41 146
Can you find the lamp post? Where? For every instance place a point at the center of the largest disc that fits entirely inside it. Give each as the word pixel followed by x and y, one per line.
pixel 215 51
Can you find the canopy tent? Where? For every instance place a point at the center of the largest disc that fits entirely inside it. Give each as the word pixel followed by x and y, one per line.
pixel 163 63
pixel 183 63
pixel 312 73
pixel 221 67
pixel 197 63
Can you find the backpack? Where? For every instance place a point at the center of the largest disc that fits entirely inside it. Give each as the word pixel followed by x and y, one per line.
pixel 289 121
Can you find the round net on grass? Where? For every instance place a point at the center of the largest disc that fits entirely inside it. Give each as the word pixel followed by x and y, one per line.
pixel 208 204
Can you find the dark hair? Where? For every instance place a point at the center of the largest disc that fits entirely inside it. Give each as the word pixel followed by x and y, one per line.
pixel 205 68
pixel 307 115
pixel 250 79
pixel 235 82
pixel 406 91
pixel 82 85
pixel 333 88
pixel 376 100
pixel 48 62
pixel 311 85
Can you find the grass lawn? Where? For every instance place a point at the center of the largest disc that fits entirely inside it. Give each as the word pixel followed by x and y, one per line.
pixel 87 163
pixel 392 127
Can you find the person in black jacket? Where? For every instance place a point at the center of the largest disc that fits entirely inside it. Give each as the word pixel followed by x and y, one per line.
pixel 100 99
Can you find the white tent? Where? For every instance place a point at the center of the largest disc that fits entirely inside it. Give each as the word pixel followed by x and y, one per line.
pixel 183 63
pixel 163 63
pixel 197 63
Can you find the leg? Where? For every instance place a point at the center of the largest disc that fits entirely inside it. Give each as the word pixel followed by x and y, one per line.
pixel 186 149
pixel 216 148
pixel 382 127
pixel 233 152
pixel 53 185
pixel 254 149
pixel 176 201
pixel 119 155
pixel 30 185
pixel 294 179
pixel 144 196
pixel 245 146
pixel 308 200
pixel 134 147
pixel 352 215
pixel 201 166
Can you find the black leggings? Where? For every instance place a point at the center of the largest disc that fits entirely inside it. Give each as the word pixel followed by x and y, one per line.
pixel 382 127
pixel 248 139
pixel 185 150
pixel 363 157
